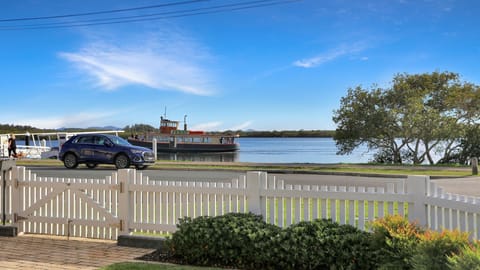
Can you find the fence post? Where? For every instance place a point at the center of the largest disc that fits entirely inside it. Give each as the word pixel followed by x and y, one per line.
pixel 253 191
pixel 417 189
pixel 125 177
pixel 474 162
pixel 15 199
pixel 154 147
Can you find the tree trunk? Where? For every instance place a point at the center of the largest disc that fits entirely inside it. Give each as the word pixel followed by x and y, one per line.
pixel 427 152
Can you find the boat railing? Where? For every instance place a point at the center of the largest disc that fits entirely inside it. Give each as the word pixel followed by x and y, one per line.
pixel 31 151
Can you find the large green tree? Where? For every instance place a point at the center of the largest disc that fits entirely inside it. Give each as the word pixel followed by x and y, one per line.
pixel 418 117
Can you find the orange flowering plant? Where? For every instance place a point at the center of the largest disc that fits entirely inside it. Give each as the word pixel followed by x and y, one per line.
pixel 396 238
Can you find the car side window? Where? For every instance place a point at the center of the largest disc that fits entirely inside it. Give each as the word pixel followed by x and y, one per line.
pixel 108 142
pixel 85 140
pixel 99 140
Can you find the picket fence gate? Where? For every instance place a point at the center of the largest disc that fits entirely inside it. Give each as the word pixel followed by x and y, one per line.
pixel 127 201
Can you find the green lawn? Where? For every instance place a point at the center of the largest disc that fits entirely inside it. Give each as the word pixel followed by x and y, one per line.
pixel 354 169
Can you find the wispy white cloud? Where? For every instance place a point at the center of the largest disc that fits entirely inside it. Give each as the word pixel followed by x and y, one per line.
pixel 241 126
pixel 210 126
pixel 330 55
pixel 217 126
pixel 173 64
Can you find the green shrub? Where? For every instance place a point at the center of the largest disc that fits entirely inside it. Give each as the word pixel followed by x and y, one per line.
pixel 245 241
pixel 396 238
pixel 435 247
pixel 239 240
pixel 323 244
pixel 469 258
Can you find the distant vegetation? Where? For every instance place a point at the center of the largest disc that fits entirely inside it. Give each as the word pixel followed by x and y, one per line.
pixel 4 129
pixel 143 128
pixel 138 129
pixel 284 133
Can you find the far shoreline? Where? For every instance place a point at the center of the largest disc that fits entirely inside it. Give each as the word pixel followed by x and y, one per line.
pixel 281 133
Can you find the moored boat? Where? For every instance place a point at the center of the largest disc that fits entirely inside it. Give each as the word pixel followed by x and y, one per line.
pixel 171 139
pixel 42 145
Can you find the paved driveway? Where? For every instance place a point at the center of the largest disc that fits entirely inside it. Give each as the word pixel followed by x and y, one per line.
pixel 52 252
pixel 469 186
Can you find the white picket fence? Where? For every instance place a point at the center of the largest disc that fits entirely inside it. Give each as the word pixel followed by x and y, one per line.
pixel 127 201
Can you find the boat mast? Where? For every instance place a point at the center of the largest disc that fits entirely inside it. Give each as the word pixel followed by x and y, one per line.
pixel 185 122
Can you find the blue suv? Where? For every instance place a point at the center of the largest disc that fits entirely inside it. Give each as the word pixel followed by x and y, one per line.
pixel 94 149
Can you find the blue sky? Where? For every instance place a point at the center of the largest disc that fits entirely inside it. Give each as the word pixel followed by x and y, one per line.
pixel 278 67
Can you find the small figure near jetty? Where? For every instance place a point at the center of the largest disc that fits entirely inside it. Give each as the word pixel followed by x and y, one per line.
pixel 12 146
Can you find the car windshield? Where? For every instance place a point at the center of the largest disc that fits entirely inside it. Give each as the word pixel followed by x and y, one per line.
pixel 118 140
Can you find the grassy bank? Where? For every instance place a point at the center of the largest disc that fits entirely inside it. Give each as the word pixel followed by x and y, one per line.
pixel 351 169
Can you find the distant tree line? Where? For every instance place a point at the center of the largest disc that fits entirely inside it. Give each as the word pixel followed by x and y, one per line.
pixel 139 129
pixel 143 128
pixel 6 128
pixel 283 133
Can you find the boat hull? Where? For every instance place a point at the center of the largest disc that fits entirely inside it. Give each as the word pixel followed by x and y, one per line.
pixel 187 147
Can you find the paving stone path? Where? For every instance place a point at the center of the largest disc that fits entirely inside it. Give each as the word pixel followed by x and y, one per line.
pixel 42 252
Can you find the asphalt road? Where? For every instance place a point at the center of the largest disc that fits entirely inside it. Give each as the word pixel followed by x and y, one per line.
pixel 469 186
pixel 80 172
pixel 103 171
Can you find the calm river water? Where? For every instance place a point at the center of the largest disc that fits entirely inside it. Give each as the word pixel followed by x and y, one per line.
pixel 273 150
pixel 280 150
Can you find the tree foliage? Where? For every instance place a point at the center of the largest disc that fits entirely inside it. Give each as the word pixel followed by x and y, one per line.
pixel 138 129
pixel 6 128
pixel 420 116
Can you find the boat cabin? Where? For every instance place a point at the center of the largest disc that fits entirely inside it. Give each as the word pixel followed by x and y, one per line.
pixel 168 126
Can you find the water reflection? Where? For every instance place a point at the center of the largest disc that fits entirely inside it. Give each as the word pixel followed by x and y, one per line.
pixel 208 157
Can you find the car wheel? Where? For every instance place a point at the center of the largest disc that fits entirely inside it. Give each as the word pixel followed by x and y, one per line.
pixel 141 167
pixel 122 162
pixel 91 165
pixel 70 161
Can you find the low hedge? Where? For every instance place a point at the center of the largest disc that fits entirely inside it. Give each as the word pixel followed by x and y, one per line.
pixel 245 241
pixel 323 244
pixel 240 240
